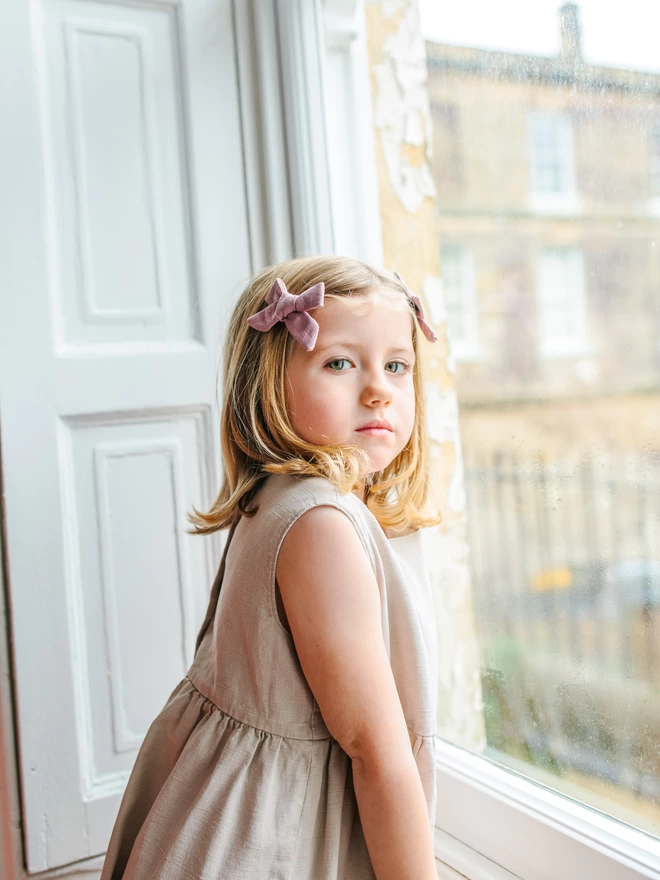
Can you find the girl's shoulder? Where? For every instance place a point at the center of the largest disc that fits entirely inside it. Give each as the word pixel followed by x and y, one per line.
pixel 283 498
pixel 287 496
pixel 282 493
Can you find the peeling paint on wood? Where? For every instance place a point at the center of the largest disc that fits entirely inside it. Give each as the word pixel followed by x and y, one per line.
pixel 401 112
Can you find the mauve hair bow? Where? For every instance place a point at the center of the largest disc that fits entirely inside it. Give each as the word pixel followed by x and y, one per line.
pixel 292 309
pixel 427 330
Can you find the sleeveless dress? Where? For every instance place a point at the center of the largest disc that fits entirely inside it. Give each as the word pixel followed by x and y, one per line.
pixel 238 777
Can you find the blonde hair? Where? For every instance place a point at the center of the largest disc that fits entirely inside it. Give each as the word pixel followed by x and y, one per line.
pixel 256 434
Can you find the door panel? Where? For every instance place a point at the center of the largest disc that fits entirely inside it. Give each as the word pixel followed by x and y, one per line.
pixel 115 103
pixel 127 217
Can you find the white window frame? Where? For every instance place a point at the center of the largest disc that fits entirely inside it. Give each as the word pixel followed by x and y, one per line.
pixel 466 348
pixel 350 133
pixel 564 200
pixel 575 345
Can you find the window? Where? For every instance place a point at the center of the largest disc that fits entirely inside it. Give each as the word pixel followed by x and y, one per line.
pixel 457 269
pixel 562 312
pixel 552 176
pixel 552 769
pixel 655 162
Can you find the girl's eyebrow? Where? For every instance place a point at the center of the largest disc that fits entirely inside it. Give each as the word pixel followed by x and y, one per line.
pixel 337 344
pixel 357 347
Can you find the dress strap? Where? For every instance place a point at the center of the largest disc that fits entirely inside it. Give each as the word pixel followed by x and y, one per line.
pixel 215 590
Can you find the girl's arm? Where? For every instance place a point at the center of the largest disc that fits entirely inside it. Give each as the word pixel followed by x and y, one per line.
pixel 332 602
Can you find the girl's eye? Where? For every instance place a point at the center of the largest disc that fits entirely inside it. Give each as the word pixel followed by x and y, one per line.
pixel 338 361
pixel 395 371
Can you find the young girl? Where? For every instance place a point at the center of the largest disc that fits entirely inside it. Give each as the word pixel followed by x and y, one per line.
pixel 300 745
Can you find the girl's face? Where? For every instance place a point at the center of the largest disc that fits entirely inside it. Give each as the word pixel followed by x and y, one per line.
pixel 360 370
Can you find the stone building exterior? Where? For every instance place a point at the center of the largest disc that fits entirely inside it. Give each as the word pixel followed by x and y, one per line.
pixel 548 187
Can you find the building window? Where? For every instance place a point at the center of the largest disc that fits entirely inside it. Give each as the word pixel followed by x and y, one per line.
pixel 457 267
pixel 655 161
pixel 552 172
pixel 562 306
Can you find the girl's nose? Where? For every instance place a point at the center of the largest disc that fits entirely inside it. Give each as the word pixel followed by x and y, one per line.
pixel 376 390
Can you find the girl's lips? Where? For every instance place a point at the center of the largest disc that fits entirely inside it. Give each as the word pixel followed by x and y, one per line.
pixel 381 424
pixel 375 431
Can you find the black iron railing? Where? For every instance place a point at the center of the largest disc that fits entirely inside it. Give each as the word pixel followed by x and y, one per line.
pixel 565 565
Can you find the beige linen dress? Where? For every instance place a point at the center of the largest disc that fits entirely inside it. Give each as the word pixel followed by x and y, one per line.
pixel 238 777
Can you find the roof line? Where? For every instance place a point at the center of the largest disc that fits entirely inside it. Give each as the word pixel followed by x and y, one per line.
pixel 496 64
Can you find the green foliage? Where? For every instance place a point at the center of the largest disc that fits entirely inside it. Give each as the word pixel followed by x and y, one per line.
pixel 509 710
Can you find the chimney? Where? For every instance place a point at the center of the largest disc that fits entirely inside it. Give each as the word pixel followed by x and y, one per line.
pixel 571 38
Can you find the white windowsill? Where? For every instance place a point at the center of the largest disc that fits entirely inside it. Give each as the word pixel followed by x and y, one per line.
pixel 456 861
pixel 525 829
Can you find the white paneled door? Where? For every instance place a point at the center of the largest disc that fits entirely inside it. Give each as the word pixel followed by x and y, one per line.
pixel 124 240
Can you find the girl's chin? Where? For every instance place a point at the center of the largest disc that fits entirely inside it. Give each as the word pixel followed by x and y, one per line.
pixel 379 462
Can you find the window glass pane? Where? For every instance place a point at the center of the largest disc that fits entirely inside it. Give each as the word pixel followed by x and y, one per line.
pixel 551 154
pixel 458 286
pixel 561 303
pixel 654 148
pixel 547 166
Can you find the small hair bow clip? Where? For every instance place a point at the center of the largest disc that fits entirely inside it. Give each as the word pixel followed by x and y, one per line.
pixel 426 328
pixel 292 310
